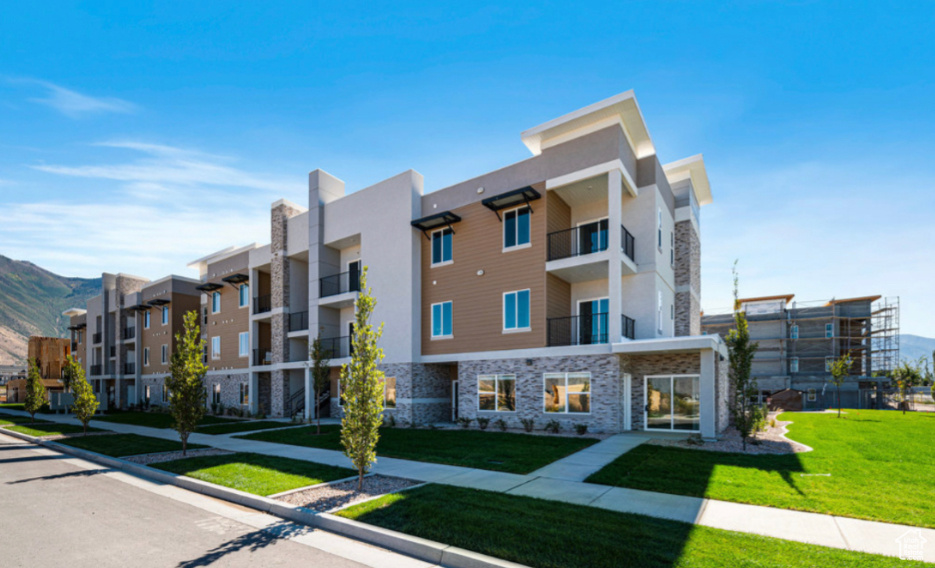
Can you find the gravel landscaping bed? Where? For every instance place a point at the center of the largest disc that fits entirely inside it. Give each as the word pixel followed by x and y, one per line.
pixel 771 442
pixel 339 495
pixel 146 459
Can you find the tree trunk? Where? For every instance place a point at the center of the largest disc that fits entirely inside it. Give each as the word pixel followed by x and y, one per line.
pixel 85 424
pixel 184 445
pixel 360 479
pixel 839 402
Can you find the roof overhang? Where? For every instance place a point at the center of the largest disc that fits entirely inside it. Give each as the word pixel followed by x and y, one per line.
pixel 858 299
pixel 512 198
pixel 786 297
pixel 72 312
pixel 691 168
pixel 438 220
pixel 620 109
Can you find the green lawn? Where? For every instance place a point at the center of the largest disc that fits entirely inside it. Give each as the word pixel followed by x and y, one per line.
pixel 255 473
pixel 155 419
pixel 547 534
pixel 242 426
pixel 6 419
pixel 498 451
pixel 13 405
pixel 869 464
pixel 117 445
pixel 49 429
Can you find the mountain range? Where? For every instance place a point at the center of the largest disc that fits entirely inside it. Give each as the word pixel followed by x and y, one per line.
pixel 32 300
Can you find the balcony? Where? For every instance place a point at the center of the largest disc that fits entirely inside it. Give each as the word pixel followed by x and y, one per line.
pixel 627 327
pixel 262 304
pixel 337 347
pixel 113 351
pixel 128 333
pixel 339 290
pixel 96 370
pixel 129 368
pixel 627 243
pixel 580 254
pixel 578 330
pixel 97 337
pixel 581 240
pixel 262 356
pixel 298 321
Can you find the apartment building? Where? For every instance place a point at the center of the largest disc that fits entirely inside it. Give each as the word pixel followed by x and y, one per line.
pixel 50 355
pixel 563 287
pixel 798 340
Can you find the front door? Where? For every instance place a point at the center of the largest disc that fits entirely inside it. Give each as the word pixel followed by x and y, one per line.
pixel 353 276
pixel 592 237
pixel 592 321
pixel 672 403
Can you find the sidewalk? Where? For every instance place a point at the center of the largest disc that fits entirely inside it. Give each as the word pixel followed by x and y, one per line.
pixel 556 482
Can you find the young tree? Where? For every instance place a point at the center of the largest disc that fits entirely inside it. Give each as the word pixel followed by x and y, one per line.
pixel 362 388
pixel 840 370
pixel 904 377
pixel 743 385
pixel 186 382
pixel 35 390
pixel 86 403
pixel 321 374
pixel 69 373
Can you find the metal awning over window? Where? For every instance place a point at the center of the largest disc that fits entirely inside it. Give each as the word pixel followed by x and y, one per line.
pixel 511 199
pixel 77 326
pixel 426 224
pixel 209 287
pixel 140 307
pixel 158 302
pixel 235 279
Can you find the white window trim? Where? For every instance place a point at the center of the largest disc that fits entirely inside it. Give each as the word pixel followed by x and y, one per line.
pixel 395 384
pixel 244 400
pixel 146 319
pixel 239 292
pixel 503 229
pixel 432 263
pixel 795 361
pixel 829 331
pixel 215 342
pixel 215 294
pixel 146 356
pixel 566 411
pixel 432 320
pixel 240 344
pixel 164 315
pixel 503 312
pixel 675 376
pixel 659 229
pixel 496 391
pixel 811 395
pixel 164 354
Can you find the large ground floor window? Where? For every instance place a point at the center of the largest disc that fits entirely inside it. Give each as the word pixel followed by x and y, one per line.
pixel 496 392
pixel 672 402
pixel 567 392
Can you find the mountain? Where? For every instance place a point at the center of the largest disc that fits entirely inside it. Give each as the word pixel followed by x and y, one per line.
pixel 32 300
pixel 911 347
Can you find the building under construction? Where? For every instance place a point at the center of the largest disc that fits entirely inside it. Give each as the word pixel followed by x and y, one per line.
pixel 799 340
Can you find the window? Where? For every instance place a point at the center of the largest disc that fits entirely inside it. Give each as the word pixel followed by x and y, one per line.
pixel 794 365
pixel 146 356
pixel 165 354
pixel 79 336
pixel 441 246
pixel 389 392
pixel 204 316
pixel 828 362
pixel 353 275
pixel 829 330
pixel 516 228
pixel 659 228
pixel 441 320
pixel 146 393
pixel 146 319
pixel 812 395
pixel 165 315
pixel 215 302
pixel 244 393
pixel 216 394
pixel 496 393
pixel 568 392
pixel 216 347
pixel 659 310
pixel 672 312
pixel 794 332
pixel 244 344
pixel 672 249
pixel 516 311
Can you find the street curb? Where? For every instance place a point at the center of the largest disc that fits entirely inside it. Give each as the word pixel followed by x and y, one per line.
pixel 412 546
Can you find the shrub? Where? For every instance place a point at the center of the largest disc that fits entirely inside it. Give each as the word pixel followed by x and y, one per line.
pixel 581 429
pixel 501 424
pixel 390 420
pixel 694 440
pixel 464 421
pixel 772 422
pixel 553 426
pixel 528 424
pixel 482 422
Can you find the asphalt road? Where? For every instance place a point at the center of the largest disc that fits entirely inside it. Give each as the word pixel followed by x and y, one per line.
pixel 54 513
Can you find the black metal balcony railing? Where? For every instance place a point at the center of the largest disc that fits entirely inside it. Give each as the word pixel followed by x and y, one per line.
pixel 95 369
pixel 628 327
pixel 339 284
pixel 113 350
pixel 262 304
pixel 578 241
pixel 337 347
pixel 129 333
pixel 578 330
pixel 262 356
pixel 129 368
pixel 627 243
pixel 298 321
pixel 97 337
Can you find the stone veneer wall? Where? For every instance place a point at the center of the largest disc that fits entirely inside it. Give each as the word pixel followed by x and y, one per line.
pixel 155 388
pixel 687 279
pixel 423 393
pixel 279 291
pixel 639 366
pixel 722 393
pixel 605 415
pixel 264 396
pixel 230 387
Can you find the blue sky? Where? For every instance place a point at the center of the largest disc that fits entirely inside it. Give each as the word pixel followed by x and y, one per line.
pixel 138 136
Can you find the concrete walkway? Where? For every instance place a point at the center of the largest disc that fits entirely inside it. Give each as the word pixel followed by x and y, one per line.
pixel 813 528
pixel 580 465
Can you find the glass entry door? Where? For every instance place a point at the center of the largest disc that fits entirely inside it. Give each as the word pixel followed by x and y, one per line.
pixel 592 322
pixel 672 403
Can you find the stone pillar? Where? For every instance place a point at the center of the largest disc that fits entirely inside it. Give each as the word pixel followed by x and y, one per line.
pixel 279 282
pixel 687 279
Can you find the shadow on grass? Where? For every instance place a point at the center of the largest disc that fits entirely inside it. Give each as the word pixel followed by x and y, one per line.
pixel 252 541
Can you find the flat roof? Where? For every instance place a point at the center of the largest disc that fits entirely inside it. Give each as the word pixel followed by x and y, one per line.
pixel 786 297
pixel 857 299
pixel 72 312
pixel 692 168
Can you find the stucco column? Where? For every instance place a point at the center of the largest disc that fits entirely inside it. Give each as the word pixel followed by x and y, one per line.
pixel 254 392
pixel 614 269
pixel 707 383
pixel 309 395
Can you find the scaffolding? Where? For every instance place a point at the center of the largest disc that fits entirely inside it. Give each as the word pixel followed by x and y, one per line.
pixel 803 338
